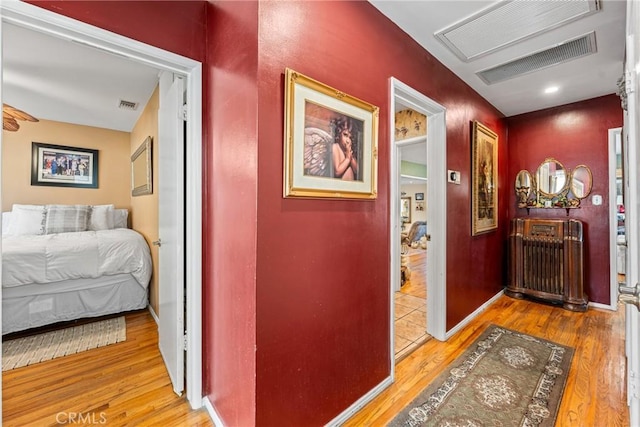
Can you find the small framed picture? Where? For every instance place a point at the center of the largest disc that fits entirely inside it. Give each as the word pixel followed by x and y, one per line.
pixel 62 166
pixel 419 196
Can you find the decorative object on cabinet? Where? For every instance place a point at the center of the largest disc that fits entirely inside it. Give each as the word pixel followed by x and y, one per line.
pixel 141 170
pixel 405 209
pixel 330 142
pixel 484 194
pixel 546 261
pixel 553 186
pixel 62 166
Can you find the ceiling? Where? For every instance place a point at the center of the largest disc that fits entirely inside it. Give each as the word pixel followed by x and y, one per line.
pixel 494 42
pixel 56 79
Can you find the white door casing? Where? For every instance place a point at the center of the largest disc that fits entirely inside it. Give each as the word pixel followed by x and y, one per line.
pixel 38 19
pixel 436 211
pixel 171 227
pixel 631 154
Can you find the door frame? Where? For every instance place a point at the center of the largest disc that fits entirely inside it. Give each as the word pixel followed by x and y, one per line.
pixel 613 222
pixel 56 25
pixel 436 209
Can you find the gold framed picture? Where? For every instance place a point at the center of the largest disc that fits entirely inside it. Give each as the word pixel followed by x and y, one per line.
pixel 484 167
pixel 330 142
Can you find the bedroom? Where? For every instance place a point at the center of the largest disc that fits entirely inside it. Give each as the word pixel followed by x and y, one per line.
pixel 115 146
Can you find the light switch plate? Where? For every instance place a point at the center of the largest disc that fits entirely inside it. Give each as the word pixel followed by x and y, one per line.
pixel 596 200
pixel 453 177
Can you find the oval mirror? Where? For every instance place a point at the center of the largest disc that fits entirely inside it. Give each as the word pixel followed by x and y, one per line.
pixel 551 177
pixel 524 182
pixel 581 181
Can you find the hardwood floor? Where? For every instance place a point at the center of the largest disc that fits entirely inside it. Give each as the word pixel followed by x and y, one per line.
pixel 122 384
pixel 595 391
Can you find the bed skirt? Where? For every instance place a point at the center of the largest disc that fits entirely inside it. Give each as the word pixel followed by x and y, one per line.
pixel 30 306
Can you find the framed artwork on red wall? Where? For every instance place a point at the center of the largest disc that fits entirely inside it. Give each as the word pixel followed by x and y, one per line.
pixel 330 142
pixel 484 170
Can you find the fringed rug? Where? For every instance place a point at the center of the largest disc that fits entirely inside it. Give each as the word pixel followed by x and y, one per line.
pixel 505 378
pixel 50 345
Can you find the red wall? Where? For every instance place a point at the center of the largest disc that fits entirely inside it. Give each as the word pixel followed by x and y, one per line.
pixel 574 134
pixel 323 266
pixel 296 292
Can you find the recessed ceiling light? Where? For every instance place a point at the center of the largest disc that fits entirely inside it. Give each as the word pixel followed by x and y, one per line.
pixel 551 89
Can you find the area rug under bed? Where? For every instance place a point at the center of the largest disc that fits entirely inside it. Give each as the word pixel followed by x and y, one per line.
pixel 38 348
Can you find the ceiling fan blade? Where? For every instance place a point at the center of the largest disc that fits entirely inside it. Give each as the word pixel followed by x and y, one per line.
pixel 9 123
pixel 17 114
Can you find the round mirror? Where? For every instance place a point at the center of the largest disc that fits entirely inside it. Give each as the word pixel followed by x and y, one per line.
pixel 551 177
pixel 581 181
pixel 524 182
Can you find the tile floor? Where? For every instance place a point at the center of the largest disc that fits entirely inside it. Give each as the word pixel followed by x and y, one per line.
pixel 410 324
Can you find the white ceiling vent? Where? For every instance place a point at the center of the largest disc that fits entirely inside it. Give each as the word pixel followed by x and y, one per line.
pixel 128 105
pixel 508 22
pixel 567 51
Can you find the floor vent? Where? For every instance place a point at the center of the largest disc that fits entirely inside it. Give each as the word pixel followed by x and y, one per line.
pixel 567 51
pixel 508 22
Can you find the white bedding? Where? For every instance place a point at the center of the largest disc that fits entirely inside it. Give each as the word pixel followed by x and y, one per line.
pixel 48 258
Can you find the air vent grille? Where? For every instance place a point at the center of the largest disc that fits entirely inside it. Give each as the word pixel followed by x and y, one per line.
pixel 128 105
pixel 564 52
pixel 508 22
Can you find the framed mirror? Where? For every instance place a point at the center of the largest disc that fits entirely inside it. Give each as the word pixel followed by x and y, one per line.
pixel 551 177
pixel 581 181
pixel 405 209
pixel 141 169
pixel 524 186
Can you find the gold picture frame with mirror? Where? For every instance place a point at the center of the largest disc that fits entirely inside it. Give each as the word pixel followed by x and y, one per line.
pixel 141 169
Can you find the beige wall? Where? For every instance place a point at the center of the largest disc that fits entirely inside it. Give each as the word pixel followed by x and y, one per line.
pixel 410 190
pixel 113 162
pixel 144 209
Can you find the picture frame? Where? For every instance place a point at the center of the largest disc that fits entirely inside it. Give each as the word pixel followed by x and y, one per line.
pixel 330 142
pixel 419 196
pixel 484 180
pixel 63 166
pixel 142 169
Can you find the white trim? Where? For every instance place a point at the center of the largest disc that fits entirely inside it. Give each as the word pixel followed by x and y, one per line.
pixel 213 414
pixel 603 306
pixel 436 214
pixel 47 22
pixel 473 315
pixel 360 403
pixel 613 224
pixel 153 314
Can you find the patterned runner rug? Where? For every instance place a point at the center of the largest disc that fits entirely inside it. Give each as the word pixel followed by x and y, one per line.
pixel 50 345
pixel 505 378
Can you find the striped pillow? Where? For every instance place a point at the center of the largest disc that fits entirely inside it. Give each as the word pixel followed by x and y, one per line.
pixel 66 218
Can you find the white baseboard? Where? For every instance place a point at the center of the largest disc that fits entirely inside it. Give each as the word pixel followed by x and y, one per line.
pixel 154 315
pixel 217 421
pixel 472 316
pixel 348 413
pixel 603 306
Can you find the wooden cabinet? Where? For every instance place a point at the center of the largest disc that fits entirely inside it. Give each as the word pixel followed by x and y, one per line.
pixel 546 261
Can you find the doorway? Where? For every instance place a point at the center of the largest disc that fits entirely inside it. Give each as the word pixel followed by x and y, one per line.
pixel 435 205
pixel 48 23
pixel 617 229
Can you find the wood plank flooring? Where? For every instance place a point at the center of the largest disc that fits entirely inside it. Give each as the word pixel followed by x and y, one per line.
pixel 595 391
pixel 122 384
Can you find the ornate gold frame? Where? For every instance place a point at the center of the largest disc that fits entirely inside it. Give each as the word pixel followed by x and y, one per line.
pixel 304 94
pixel 484 182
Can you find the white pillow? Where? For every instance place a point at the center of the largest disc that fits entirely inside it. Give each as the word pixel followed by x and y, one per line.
pixel 6 220
pixel 120 218
pixel 101 218
pixel 27 220
pixel 66 218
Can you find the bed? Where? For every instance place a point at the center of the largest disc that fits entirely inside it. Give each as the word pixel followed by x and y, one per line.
pixel 66 262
